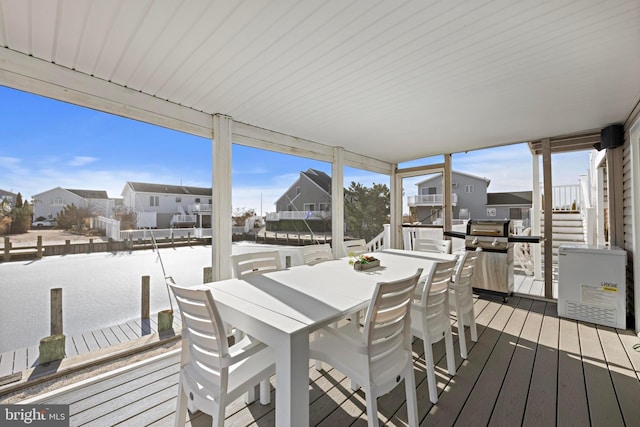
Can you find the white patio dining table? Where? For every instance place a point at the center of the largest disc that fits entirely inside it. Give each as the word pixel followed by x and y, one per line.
pixel 282 308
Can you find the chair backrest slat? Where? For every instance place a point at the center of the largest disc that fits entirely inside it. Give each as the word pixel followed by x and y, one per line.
pixel 204 339
pixel 461 286
pixel 388 318
pixel 354 247
pixel 253 263
pixel 432 245
pixel 435 297
pixel 313 254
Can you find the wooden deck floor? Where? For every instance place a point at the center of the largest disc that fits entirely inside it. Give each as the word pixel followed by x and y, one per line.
pixel 529 367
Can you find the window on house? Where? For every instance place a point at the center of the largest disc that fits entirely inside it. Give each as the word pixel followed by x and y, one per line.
pixel 309 206
pixel 297 190
pixel 468 188
pixel 154 200
pixel 324 206
pixel 58 201
pixel 197 199
pixel 178 199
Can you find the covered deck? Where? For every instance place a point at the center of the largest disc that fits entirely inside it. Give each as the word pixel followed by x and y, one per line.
pixel 529 367
pixel 369 87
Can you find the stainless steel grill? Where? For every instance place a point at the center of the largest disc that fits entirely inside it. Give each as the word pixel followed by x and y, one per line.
pixel 494 269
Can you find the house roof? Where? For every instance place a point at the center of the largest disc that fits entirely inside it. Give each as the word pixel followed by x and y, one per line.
pixel 514 198
pixel 89 194
pixel 453 174
pixel 7 193
pixel 394 81
pixel 144 187
pixel 321 179
pixel 85 194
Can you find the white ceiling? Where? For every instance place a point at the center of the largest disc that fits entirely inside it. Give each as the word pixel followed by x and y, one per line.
pixel 396 80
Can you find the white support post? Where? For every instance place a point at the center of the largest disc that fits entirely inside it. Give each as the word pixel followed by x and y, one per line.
pixel 386 239
pixel 536 210
pixel 447 194
pixel 222 210
pixel 395 194
pixel 634 154
pixel 337 202
pixel 600 206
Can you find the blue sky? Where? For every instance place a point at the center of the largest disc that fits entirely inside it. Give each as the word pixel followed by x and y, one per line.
pixel 46 144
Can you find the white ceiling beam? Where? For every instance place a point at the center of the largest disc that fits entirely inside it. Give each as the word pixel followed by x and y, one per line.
pixel 20 71
pixel 256 137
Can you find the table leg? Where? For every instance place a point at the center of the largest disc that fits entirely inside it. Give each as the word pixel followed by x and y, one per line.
pixel 292 381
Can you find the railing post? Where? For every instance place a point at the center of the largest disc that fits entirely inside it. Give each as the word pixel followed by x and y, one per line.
pixel 67 246
pixel 207 274
pixel 56 311
pixel 7 248
pixel 53 347
pixel 39 248
pixel 287 261
pixel 386 237
pixel 145 306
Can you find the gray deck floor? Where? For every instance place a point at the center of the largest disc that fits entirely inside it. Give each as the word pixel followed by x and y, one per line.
pixel 529 367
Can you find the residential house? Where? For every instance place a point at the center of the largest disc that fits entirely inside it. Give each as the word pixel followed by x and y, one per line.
pixel 308 200
pixel 166 205
pixel 50 203
pixel 513 205
pixel 8 196
pixel 469 198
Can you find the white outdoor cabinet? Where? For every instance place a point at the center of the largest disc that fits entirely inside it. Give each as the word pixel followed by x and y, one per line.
pixel 592 284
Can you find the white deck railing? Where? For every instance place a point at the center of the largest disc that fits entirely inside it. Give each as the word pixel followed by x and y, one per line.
pixel 282 215
pixel 200 208
pixel 430 200
pixel 567 197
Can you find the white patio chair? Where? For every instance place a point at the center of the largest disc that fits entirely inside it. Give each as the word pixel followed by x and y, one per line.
pixel 380 356
pixel 313 254
pixel 212 374
pixel 461 298
pixel 432 245
pixel 355 247
pixel 254 263
pixel 430 320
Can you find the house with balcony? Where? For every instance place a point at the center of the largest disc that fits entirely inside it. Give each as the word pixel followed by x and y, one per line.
pixel 167 206
pixel 50 203
pixel 305 205
pixel 469 198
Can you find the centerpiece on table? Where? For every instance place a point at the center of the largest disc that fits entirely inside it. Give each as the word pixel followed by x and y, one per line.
pixel 363 262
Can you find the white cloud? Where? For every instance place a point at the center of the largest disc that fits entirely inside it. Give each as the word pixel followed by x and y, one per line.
pixel 81 161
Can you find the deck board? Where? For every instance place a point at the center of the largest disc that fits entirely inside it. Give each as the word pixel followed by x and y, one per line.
pixel 450 404
pixel 6 364
pixel 487 387
pixel 625 379
pixel 542 391
pixel 603 405
pixel 529 367
pixel 515 387
pixel 572 396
